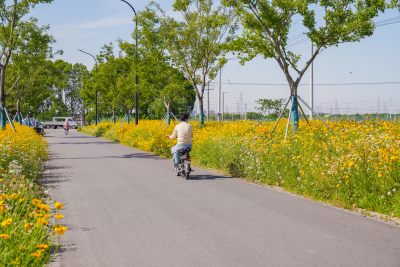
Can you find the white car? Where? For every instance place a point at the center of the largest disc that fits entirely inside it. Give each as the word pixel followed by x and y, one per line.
pixel 72 123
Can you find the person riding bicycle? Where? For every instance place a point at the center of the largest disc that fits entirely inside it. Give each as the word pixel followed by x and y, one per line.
pixel 66 125
pixel 183 132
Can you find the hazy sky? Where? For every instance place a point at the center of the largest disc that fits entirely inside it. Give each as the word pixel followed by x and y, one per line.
pixel 338 71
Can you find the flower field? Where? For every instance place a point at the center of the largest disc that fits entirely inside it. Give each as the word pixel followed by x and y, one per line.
pixel 349 164
pixel 25 212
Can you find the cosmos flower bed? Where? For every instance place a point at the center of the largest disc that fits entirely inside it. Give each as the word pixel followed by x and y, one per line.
pixel 26 231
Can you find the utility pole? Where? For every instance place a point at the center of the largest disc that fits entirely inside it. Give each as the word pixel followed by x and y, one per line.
pixel 97 93
pixel 223 105
pixel 245 111
pixel 312 83
pixel 208 101
pixel 136 63
pixel 219 95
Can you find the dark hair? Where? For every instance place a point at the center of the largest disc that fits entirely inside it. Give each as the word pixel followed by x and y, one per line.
pixel 184 117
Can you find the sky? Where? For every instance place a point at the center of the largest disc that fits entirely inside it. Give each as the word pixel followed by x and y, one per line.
pixel 360 77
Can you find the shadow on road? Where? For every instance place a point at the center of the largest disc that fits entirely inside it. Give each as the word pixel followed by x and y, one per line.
pixel 83 143
pixel 127 156
pixel 54 175
pixel 208 177
pixel 138 155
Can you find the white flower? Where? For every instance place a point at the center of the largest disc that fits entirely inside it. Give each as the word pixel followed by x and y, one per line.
pixel 14 168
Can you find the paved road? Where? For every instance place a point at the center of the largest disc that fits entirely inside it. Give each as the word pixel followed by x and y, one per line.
pixel 127 208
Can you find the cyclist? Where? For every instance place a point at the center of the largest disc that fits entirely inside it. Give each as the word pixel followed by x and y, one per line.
pixel 66 126
pixel 183 132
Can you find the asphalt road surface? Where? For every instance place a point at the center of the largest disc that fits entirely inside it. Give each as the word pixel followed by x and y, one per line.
pixel 125 207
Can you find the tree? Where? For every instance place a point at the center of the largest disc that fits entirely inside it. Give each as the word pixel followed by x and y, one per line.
pixel 157 75
pixel 73 100
pixel 195 45
pixel 271 107
pixel 110 78
pixel 29 69
pixel 11 13
pixel 267 24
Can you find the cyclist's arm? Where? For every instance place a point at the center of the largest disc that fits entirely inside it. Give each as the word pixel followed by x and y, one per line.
pixel 174 135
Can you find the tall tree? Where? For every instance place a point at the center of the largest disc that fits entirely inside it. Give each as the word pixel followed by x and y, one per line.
pixel 109 79
pixel 267 25
pixel 29 69
pixel 157 75
pixel 11 13
pixel 76 79
pixel 195 44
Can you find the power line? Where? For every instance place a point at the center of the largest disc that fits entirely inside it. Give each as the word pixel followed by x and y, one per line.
pixel 387 21
pixel 298 39
pixel 306 84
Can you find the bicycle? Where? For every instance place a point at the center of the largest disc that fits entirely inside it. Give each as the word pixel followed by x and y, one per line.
pixel 183 169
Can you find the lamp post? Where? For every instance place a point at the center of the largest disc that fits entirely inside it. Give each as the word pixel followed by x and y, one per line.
pixel 312 83
pixel 136 59
pixel 97 104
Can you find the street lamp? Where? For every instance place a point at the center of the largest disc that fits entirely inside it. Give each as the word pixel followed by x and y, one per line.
pixel 136 59
pixel 96 109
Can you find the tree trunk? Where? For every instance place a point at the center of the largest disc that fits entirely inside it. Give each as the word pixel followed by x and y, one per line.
pixel 128 116
pixel 2 97
pixel 295 106
pixel 168 106
pixel 295 112
pixel 113 117
pixel 19 115
pixel 201 108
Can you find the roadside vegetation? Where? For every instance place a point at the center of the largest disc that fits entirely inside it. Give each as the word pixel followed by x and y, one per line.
pixel 26 213
pixel 351 165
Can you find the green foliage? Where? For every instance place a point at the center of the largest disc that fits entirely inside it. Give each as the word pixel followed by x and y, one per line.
pixel 195 45
pixel 161 86
pixel 266 26
pixel 271 107
pixel 28 81
pixel 15 33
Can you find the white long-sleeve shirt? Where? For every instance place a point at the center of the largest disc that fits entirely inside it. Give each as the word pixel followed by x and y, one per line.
pixel 183 132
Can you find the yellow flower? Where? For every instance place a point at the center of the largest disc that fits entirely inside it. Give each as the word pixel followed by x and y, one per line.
pixel 43 246
pixel 36 201
pixel 60 229
pixel 59 216
pixel 4 236
pixel 337 185
pixel 42 221
pixel 37 254
pixel 44 207
pixel 28 226
pixel 6 222
pixel 58 205
pixel 380 174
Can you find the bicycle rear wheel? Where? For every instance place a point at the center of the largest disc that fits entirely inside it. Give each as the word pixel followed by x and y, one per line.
pixel 187 170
